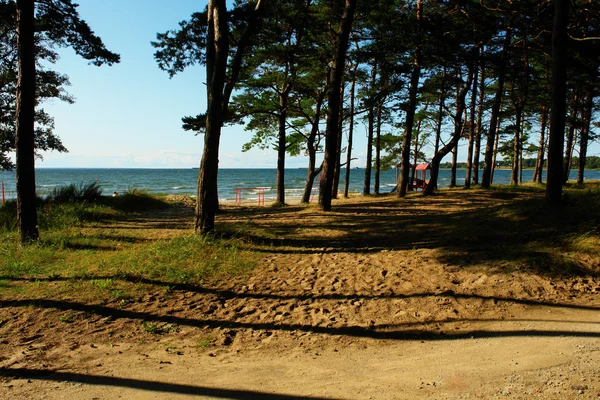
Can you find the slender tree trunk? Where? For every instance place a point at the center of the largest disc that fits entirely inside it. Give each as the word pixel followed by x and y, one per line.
pixel 338 162
pixel 453 167
pixel 521 162
pixel 312 151
pixel 496 142
pixel 218 95
pixel 479 131
pixel 416 151
pixel 585 134
pixel 217 49
pixel 486 178
pixel 539 165
pixel 370 133
pixel 514 177
pixel 350 131
pixel 412 106
pixel 337 72
pixel 378 149
pixel 570 139
pixel 554 178
pixel 25 112
pixel 458 128
pixel 440 118
pixel 472 132
pixel 281 146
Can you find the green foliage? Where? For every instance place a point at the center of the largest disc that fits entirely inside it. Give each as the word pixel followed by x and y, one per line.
pixel 75 205
pixel 57 25
pixel 8 216
pixel 76 193
pixel 135 201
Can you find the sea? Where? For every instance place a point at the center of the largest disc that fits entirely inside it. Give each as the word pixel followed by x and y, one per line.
pixel 183 181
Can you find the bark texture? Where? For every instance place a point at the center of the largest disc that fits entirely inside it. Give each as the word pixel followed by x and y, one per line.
pixel 333 121
pixel 25 115
pixel 554 177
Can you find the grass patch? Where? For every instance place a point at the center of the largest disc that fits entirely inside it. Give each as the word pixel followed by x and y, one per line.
pixel 135 201
pixel 76 193
pixel 93 251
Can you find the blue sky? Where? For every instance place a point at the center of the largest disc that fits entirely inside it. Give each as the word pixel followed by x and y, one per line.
pixel 129 115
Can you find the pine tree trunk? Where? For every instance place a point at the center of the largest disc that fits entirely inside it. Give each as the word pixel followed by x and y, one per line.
pixel 472 132
pixel 486 178
pixel 312 151
pixel 440 116
pixel 25 111
pixel 560 56
pixel 585 134
pixel 453 167
pixel 217 50
pixel 514 177
pixel 570 139
pixel 458 128
pixel 539 165
pixel 496 142
pixel 350 132
pixel 412 106
pixel 378 150
pixel 338 161
pixel 332 130
pixel 370 133
pixel 281 146
pixel 479 131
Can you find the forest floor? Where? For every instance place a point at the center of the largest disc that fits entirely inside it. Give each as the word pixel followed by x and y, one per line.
pixel 463 295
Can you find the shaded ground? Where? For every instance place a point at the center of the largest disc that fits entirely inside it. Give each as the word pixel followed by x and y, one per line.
pixel 462 295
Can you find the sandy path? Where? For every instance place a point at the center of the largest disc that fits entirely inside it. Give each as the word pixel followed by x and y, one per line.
pixel 520 367
pixel 355 304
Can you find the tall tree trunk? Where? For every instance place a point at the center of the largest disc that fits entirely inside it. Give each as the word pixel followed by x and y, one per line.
pixel 218 95
pixel 458 128
pixel 416 151
pixel 514 177
pixel 521 162
pixel 571 138
pixel 472 131
pixel 539 164
pixel 350 131
pixel 337 72
pixel 281 145
pixel 554 178
pixel 479 131
pixel 370 132
pixel 217 50
pixel 440 116
pixel 338 161
pixel 486 178
pixel 25 112
pixel 585 134
pixel 412 106
pixel 496 142
pixel 312 151
pixel 378 150
pixel 453 166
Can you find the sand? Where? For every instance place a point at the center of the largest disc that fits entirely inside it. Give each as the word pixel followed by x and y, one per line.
pixel 379 299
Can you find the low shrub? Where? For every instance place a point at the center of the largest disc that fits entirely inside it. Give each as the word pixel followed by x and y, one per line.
pixel 135 201
pixel 76 193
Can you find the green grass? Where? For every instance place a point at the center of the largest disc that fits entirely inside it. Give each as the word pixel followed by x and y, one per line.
pixel 88 251
pixel 76 193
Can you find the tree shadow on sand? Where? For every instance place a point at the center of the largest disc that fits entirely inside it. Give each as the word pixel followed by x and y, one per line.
pixel 153 386
pixel 467 228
